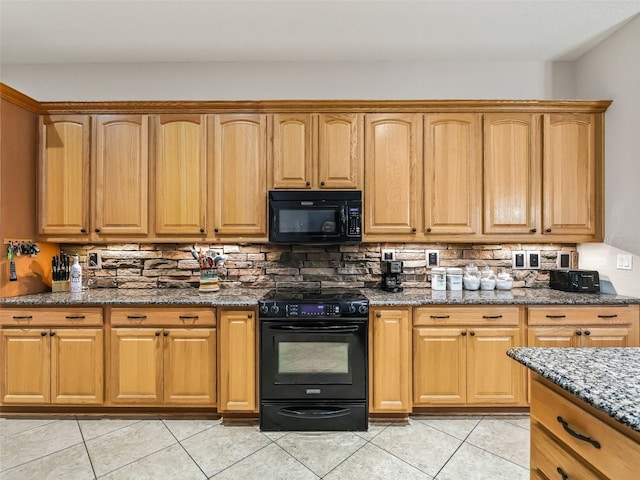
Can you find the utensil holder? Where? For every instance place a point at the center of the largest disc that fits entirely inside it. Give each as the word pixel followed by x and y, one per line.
pixel 60 286
pixel 209 280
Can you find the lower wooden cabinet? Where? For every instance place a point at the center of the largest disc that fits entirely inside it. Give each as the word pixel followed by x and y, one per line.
pixel 52 366
pixel 238 362
pixel 163 356
pixel 459 356
pixel 390 360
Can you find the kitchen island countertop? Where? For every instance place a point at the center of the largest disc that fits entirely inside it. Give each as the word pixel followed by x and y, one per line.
pixel 243 297
pixel 608 379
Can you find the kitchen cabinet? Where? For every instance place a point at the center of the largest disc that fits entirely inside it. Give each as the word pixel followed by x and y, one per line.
pixel 472 341
pixel 583 326
pixel 63 176
pixel 573 171
pixel 51 356
pixel 238 363
pixel 162 356
pixel 179 170
pixel 390 360
pixel 393 169
pixel 316 151
pixel 452 173
pixel 120 176
pixel 238 182
pixel 512 173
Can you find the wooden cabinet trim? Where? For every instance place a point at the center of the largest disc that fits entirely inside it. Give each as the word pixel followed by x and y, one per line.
pixel 26 317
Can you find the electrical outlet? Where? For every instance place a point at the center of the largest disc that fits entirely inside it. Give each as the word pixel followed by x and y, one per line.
pixel 564 261
pixel 388 254
pixel 95 262
pixel 624 262
pixel 533 259
pixel 519 260
pixel 433 258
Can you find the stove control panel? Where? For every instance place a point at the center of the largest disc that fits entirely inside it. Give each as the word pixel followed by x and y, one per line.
pixel 301 309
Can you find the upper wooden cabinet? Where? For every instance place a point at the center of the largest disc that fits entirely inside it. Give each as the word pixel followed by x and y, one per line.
pixel 512 173
pixel 180 172
pixel 310 151
pixel 452 186
pixel 393 167
pixel 120 175
pixel 63 176
pixel 573 171
pixel 239 180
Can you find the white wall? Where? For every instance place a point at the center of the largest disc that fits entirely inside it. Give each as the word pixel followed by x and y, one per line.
pixel 261 81
pixel 612 70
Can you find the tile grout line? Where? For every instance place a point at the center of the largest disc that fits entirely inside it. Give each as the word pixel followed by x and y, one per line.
pixel 300 462
pixel 242 459
pixel 459 447
pixel 86 448
pixel 183 448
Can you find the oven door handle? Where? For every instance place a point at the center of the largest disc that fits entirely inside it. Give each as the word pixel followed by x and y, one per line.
pixel 314 413
pixel 325 329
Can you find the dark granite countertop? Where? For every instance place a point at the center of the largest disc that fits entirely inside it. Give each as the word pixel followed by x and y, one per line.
pixel 250 297
pixel 605 378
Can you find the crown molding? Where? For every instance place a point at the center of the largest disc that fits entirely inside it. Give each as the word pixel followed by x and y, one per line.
pixel 18 98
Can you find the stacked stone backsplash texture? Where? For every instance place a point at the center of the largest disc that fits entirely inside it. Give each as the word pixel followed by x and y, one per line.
pixel 299 266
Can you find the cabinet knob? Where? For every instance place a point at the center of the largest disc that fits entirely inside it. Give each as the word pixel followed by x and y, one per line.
pixel 83 230
pixel 97 230
pixel 587 332
pixel 216 230
pixel 322 184
pixel 548 230
pixel 166 334
pixel 429 230
pixel 308 183
pixel 414 229
pixel 43 334
pixel 250 315
pixel 579 333
pixel 464 334
pixel 378 315
pixel 202 230
pixel 53 334
pixel 157 334
pixel 473 334
pixel 533 230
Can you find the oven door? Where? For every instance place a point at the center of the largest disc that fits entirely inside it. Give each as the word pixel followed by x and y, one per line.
pixel 296 222
pixel 313 359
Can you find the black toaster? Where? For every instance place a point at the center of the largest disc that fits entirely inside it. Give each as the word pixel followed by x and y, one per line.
pixel 587 281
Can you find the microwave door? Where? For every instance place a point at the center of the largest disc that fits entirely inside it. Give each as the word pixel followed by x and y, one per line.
pixel 297 221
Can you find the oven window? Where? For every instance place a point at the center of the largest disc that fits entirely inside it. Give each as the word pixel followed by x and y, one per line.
pixel 313 357
pixel 308 221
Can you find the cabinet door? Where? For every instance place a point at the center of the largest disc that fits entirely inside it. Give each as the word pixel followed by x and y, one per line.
pixel 392 172
pixel 63 175
pixel 618 336
pixel 512 174
pixel 181 174
pixel 120 174
pixel 237 361
pixel 451 173
pixel 571 187
pixel 433 348
pixel 190 366
pixel 77 366
pixel 292 151
pixel 239 175
pixel 25 370
pixel 136 365
pixel 390 361
pixel 493 378
pixel 552 337
pixel 340 150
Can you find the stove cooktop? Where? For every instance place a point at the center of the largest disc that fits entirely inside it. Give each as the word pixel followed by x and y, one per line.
pixel 324 295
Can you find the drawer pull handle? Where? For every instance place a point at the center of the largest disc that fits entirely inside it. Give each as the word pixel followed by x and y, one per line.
pixel 607 316
pixel 492 317
pixel 136 317
pixel 75 317
pixel 556 316
pixel 438 317
pixel 22 317
pixel 575 434
pixel 189 317
pixel 562 474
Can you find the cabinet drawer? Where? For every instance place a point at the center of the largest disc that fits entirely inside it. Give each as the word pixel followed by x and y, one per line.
pixel 163 317
pixel 563 315
pixel 617 455
pixel 467 316
pixel 50 317
pixel 552 460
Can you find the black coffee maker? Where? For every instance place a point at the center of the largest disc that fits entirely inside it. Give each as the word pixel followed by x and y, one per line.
pixel 391 281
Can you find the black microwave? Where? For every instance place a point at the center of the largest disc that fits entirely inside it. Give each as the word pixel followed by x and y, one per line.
pixel 318 216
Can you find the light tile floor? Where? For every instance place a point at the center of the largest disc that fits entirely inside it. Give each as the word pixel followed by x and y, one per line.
pixel 442 448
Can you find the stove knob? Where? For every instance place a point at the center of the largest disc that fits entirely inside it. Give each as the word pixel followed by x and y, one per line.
pixel 275 309
pixel 264 309
pixel 352 308
pixel 362 309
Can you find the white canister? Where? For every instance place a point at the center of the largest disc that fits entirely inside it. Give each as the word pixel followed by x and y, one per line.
pixel 76 276
pixel 438 279
pixel 454 278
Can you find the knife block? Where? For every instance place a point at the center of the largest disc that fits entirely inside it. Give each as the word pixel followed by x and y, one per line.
pixel 209 280
pixel 60 286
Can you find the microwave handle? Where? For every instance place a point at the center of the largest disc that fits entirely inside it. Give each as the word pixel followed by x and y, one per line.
pixel 343 220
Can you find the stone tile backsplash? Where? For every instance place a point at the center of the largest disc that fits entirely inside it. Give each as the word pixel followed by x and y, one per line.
pixel 299 266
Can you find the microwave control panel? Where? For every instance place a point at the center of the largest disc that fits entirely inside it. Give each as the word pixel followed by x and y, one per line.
pixel 354 221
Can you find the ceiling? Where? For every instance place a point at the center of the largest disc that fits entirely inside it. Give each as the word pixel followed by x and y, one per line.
pixel 123 31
